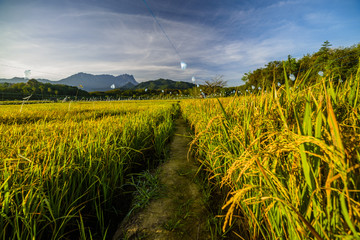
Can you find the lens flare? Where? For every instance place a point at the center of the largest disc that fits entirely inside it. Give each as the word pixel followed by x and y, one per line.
pixel 183 65
pixel 292 77
pixel 27 74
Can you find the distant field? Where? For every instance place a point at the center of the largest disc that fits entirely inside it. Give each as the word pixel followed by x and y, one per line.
pixel 63 164
pixel 288 159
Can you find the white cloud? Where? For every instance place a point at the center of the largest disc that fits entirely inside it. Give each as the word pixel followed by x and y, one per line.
pixel 99 42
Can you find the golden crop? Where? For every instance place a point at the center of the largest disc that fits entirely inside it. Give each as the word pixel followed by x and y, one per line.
pixel 63 165
pixel 288 159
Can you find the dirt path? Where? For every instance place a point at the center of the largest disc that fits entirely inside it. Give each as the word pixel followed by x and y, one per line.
pixel 180 213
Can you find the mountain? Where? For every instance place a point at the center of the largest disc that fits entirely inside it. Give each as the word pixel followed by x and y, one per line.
pixel 88 81
pixel 164 84
pixel 98 82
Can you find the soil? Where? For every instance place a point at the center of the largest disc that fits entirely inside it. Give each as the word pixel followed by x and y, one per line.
pixel 179 212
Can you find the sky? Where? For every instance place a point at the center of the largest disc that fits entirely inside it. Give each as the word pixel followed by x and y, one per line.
pixel 149 38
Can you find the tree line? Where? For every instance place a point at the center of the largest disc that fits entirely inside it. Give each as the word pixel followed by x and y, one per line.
pixel 43 91
pixel 338 64
pixel 38 90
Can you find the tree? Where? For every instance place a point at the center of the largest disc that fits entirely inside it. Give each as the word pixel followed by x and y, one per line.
pixel 214 85
pixel 33 82
pixel 291 65
pixel 325 47
pixel 322 56
pixel 42 88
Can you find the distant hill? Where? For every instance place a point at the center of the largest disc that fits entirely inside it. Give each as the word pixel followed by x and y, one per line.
pixel 128 86
pixel 98 82
pixel 102 83
pixel 164 84
pixel 89 82
pixel 23 80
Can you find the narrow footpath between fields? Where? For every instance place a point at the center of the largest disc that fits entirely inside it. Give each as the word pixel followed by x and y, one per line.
pixel 179 213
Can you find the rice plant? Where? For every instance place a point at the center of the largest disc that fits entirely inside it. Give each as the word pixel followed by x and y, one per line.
pixel 287 157
pixel 62 169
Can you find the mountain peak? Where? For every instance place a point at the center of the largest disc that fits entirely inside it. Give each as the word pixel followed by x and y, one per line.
pixel 101 82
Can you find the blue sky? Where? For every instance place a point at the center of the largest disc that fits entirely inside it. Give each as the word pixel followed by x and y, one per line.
pixel 55 39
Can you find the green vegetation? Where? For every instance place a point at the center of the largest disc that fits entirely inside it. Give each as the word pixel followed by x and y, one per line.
pixel 162 84
pixel 147 187
pixel 287 160
pixel 161 88
pixel 39 90
pixel 139 94
pixel 63 165
pixel 339 64
pixel 181 215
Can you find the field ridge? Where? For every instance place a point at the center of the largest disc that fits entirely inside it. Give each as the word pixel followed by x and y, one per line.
pixel 178 212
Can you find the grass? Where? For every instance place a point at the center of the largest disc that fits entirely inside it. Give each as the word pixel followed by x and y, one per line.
pixel 176 223
pixel 63 165
pixel 288 158
pixel 146 186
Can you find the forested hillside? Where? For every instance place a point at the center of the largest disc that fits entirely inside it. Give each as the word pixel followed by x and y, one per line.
pixel 337 63
pixel 38 90
pixel 162 84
